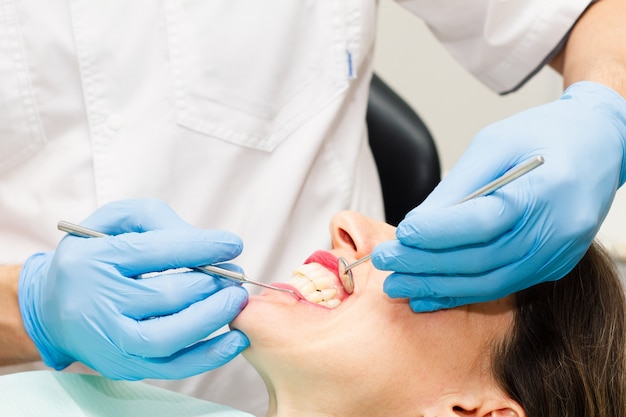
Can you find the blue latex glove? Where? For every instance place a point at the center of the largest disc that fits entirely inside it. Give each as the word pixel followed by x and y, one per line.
pixel 81 302
pixel 532 230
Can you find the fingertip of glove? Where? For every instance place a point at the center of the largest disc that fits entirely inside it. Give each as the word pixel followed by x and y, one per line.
pixel 384 254
pixel 227 346
pixel 420 305
pixel 397 287
pixel 228 243
pixel 423 306
pixel 234 241
pixel 378 259
pixel 404 230
pixel 239 340
pixel 408 234
pixel 237 297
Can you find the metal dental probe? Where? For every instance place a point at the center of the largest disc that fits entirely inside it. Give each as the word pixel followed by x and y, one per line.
pixel 80 231
pixel 345 269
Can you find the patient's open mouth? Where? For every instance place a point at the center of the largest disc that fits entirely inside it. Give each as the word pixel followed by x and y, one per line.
pixel 318 280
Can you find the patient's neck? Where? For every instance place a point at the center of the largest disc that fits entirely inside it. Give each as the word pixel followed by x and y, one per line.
pixel 295 395
pixel 316 401
pixel 313 387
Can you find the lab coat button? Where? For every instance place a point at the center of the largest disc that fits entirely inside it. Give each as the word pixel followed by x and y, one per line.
pixel 115 121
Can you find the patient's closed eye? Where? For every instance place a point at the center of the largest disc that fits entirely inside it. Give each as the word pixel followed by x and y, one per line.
pixel 462 412
pixel 504 412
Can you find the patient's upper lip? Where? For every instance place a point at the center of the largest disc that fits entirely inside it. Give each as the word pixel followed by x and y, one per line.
pixel 326 259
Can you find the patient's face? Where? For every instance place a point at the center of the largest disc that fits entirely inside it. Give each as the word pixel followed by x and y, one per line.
pixel 368 336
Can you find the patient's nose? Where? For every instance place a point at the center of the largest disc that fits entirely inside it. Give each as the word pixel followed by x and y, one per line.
pixel 355 232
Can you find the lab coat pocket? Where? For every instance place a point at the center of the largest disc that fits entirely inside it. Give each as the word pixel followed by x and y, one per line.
pixel 21 133
pixel 250 72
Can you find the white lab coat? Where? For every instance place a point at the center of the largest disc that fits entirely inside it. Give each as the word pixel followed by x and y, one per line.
pixel 243 115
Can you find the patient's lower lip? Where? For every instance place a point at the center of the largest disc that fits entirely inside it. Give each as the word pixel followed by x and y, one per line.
pixel 289 287
pixel 303 299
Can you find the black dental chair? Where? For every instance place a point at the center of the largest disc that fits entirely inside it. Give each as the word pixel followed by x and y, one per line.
pixel 404 150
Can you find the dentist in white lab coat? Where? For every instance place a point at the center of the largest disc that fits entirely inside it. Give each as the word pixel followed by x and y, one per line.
pixel 246 119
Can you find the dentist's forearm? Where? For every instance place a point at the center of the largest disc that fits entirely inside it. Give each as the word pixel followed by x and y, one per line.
pixel 596 49
pixel 15 344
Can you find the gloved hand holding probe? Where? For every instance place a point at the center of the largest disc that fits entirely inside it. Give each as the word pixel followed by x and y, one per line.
pixel 83 301
pixel 534 229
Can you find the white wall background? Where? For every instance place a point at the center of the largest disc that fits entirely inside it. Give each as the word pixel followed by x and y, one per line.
pixel 453 104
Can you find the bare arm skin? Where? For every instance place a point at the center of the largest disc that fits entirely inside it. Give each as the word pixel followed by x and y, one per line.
pixel 15 344
pixel 596 50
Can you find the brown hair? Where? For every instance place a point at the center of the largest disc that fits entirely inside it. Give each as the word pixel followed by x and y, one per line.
pixel 566 356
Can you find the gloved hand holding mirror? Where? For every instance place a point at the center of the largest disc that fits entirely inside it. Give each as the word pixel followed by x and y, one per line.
pixel 530 231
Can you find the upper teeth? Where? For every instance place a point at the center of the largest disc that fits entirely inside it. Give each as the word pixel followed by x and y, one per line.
pixel 316 284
